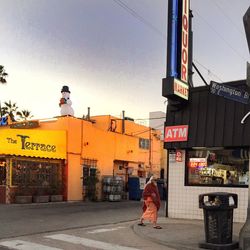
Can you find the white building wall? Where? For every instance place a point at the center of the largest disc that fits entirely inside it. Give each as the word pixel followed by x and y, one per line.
pixel 183 201
pixel 156 121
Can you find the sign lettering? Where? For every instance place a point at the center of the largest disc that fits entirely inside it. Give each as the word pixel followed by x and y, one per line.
pixel 229 92
pixel 178 156
pixel 33 143
pixel 177 51
pixel 184 41
pixel 180 89
pixel 176 133
pixel 197 162
pixel 35 146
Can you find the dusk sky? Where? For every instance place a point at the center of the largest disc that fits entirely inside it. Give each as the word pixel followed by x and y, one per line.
pixel 111 53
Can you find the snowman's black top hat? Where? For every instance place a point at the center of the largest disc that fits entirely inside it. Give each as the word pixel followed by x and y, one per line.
pixel 65 89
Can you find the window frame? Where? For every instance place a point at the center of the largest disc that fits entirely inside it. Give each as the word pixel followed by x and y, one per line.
pixel 186 172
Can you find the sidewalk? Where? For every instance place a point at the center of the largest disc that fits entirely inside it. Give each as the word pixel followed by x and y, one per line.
pixel 179 234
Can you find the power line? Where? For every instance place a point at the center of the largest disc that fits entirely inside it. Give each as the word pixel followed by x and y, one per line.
pixel 144 131
pixel 138 119
pixel 147 23
pixel 228 44
pixel 146 119
pixel 228 17
pixel 140 18
pixel 202 78
pixel 208 70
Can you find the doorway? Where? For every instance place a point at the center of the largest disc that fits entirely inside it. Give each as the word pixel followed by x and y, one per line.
pixel 2 181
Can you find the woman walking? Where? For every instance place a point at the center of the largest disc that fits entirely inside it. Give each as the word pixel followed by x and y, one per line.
pixel 151 203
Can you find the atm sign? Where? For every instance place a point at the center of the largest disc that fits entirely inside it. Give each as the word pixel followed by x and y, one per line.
pixel 176 133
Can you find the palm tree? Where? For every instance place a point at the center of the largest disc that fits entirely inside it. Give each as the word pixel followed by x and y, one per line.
pixel 24 114
pixel 10 109
pixel 3 75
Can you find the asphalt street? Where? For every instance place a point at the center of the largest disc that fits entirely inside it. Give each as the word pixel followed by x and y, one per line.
pixel 18 220
pixel 76 225
pixel 110 237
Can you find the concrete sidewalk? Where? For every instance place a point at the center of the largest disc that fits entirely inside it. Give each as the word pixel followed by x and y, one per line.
pixel 179 233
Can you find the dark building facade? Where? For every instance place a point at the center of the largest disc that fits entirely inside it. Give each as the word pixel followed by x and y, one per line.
pixel 214 155
pixel 213 120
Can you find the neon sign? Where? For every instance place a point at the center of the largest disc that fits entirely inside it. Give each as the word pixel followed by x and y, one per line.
pixel 184 41
pixel 173 57
pixel 177 51
pixel 4 121
pixel 197 162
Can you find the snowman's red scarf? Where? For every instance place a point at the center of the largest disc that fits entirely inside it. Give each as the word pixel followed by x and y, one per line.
pixel 149 190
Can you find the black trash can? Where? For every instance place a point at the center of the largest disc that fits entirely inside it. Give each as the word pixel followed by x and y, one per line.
pixel 162 188
pixel 218 220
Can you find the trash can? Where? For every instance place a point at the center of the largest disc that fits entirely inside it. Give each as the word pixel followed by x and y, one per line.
pixel 162 188
pixel 135 187
pixel 218 220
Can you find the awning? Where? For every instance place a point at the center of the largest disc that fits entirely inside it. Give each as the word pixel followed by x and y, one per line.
pixel 33 143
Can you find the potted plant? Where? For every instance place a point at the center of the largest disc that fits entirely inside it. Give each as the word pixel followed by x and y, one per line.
pixel 90 183
pixel 23 195
pixel 56 193
pixel 41 195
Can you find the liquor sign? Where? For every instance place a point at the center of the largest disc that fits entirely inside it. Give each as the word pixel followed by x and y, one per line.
pixel 229 92
pixel 176 133
pixel 184 41
pixel 177 50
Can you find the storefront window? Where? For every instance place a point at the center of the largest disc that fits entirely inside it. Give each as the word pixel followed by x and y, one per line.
pixel 143 143
pixel 36 173
pixel 217 167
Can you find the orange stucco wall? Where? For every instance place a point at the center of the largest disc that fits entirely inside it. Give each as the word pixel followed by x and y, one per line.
pixel 86 139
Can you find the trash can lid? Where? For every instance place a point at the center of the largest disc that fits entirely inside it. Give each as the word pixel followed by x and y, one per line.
pixel 219 193
pixel 218 199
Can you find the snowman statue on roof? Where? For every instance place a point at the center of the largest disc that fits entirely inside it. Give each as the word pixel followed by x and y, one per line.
pixel 65 102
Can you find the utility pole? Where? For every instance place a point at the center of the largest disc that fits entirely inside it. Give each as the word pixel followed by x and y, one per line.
pixel 150 146
pixel 245 231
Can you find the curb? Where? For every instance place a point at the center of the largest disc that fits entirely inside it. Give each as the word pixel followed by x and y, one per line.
pixel 138 232
pixel 166 237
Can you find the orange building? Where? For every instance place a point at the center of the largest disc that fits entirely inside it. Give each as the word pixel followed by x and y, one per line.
pixel 56 156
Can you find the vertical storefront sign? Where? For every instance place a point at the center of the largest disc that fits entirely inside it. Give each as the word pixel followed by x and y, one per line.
pixel 173 45
pixel 184 41
pixel 176 82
